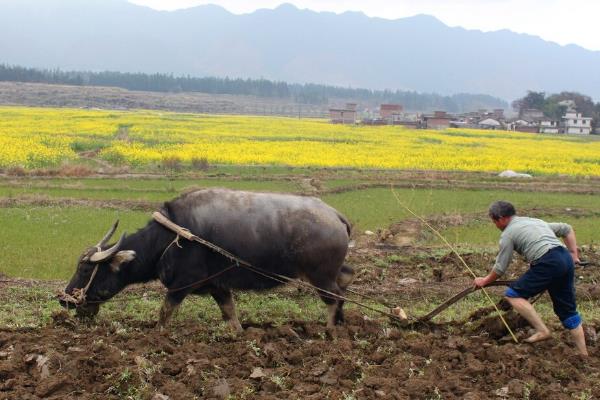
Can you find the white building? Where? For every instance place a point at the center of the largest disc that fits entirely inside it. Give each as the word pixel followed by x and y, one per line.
pixel 549 126
pixel 573 123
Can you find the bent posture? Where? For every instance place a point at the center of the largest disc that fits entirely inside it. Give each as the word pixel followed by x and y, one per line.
pixel 551 268
pixel 294 236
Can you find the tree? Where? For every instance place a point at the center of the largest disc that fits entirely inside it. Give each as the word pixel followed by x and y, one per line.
pixel 304 93
pixel 583 103
pixel 533 99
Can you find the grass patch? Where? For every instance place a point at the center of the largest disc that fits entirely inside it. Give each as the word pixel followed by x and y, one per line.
pixel 484 233
pixel 45 242
pixel 91 144
pixel 33 306
pixel 376 208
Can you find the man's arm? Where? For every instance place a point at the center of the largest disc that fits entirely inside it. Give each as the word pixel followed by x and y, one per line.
pixel 571 243
pixel 502 261
pixel 567 233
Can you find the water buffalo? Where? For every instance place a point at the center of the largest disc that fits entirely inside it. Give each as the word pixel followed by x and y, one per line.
pixel 294 236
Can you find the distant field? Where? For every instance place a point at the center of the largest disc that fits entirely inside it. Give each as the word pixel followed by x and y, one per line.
pixel 35 138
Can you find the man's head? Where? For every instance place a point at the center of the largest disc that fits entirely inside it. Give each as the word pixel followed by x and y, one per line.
pixel 501 212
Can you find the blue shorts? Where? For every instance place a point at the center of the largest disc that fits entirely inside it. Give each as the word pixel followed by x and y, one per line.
pixel 555 272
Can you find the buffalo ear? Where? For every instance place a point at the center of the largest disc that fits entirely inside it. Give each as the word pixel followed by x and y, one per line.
pixel 122 257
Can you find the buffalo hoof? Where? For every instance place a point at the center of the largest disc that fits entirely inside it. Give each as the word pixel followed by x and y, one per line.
pixel 339 317
pixel 87 312
pixel 162 330
pixel 235 326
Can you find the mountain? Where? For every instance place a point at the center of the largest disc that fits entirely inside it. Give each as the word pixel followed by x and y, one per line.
pixel 418 53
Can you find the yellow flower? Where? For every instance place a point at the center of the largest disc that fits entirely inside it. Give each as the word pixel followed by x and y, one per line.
pixel 34 137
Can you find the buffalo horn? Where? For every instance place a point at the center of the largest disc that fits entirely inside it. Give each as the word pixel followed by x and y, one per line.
pixel 106 254
pixel 108 235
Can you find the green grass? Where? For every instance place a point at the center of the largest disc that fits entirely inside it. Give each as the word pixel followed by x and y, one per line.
pixel 376 208
pixel 484 233
pixel 33 306
pixel 45 242
pixel 336 183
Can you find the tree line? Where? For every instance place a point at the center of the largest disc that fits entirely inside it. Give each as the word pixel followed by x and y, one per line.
pixel 308 93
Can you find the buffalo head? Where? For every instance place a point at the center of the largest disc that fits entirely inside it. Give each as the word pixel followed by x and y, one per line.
pixel 97 277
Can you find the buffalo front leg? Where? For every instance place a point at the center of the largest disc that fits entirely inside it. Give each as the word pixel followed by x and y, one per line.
pixel 169 305
pixel 225 301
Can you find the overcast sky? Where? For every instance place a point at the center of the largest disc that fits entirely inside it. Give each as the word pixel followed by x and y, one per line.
pixel 560 21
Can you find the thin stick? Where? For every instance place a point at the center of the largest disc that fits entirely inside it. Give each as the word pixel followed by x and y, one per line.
pixel 459 257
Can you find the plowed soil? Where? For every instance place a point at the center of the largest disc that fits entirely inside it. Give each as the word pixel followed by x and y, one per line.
pixel 67 361
pixel 364 359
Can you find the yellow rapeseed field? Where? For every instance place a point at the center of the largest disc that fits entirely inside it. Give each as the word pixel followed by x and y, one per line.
pixel 38 137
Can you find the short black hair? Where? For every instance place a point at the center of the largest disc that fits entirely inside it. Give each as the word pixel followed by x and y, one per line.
pixel 500 208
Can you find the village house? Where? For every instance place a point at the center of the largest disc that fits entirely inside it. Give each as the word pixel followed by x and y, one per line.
pixel 527 128
pixel 391 113
pixel 548 125
pixel 439 120
pixel 481 119
pixel 346 115
pixel 410 120
pixel 497 114
pixel 574 123
pixel 522 125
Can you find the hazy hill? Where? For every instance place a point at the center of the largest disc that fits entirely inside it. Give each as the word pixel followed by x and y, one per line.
pixel 418 53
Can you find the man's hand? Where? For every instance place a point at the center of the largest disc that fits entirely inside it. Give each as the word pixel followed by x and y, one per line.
pixel 484 281
pixel 480 282
pixel 575 256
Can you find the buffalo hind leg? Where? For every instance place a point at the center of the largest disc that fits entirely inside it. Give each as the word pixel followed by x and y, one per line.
pixel 344 279
pixel 170 304
pixel 225 301
pixel 329 297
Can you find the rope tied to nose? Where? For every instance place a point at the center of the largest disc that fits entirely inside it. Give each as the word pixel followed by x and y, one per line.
pixel 79 295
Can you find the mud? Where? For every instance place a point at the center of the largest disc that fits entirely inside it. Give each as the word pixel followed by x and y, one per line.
pixel 47 201
pixel 364 359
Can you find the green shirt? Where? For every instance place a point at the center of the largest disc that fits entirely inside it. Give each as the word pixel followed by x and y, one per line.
pixel 530 237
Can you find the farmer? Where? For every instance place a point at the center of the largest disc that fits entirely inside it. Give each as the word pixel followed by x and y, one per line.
pixel 551 268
